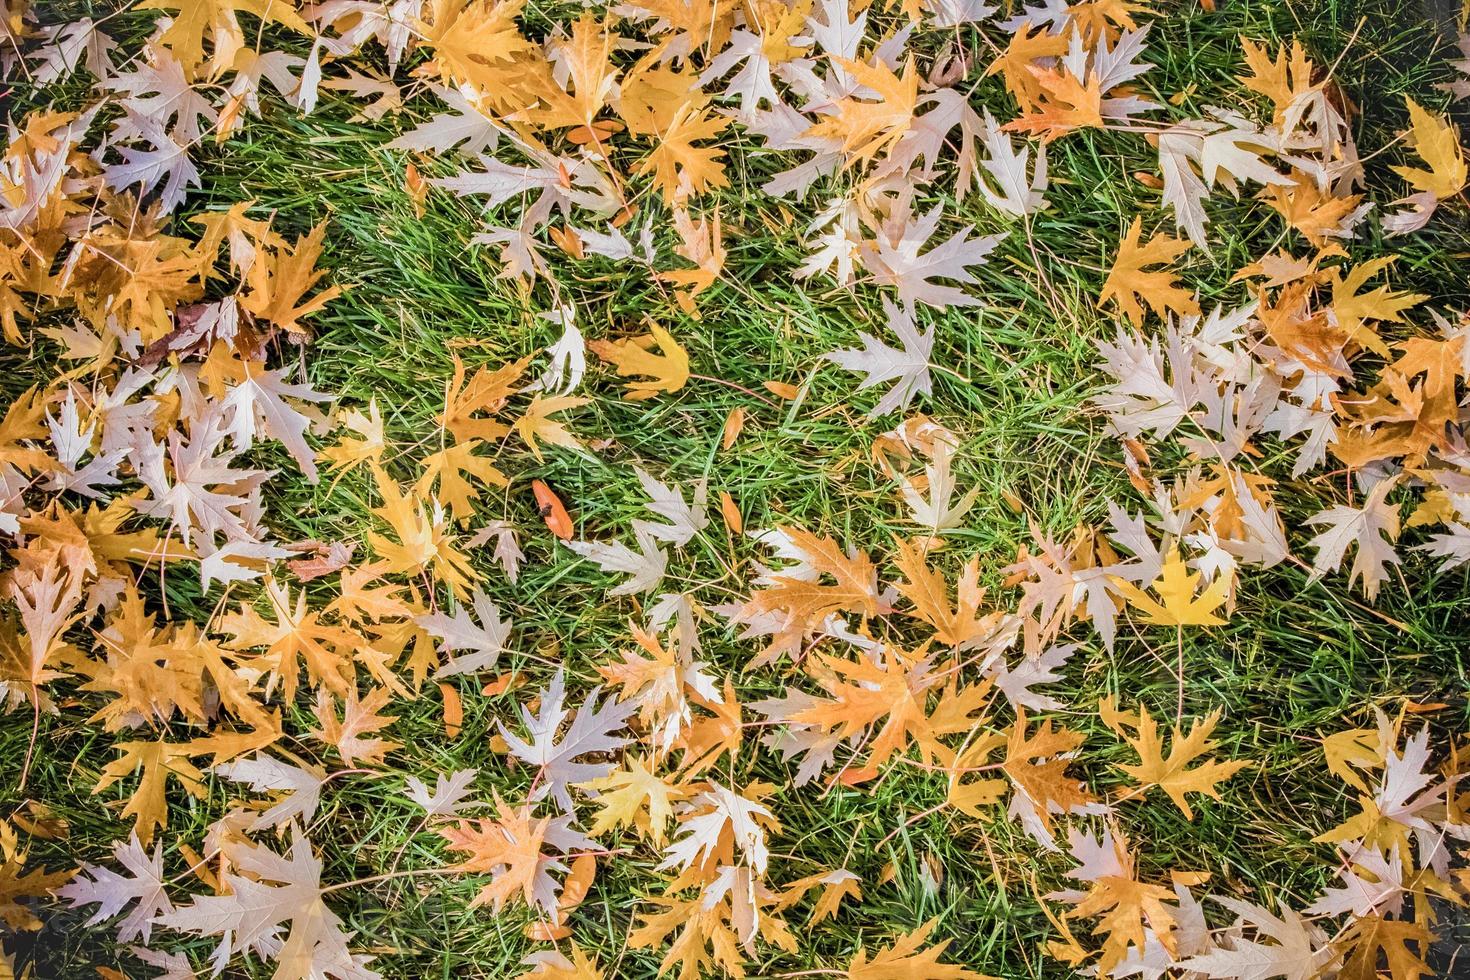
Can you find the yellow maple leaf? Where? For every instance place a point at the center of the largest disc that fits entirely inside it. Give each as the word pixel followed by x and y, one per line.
pixel 280 278
pixel 479 43
pixel 349 453
pixel 294 634
pixel 486 391
pixel 681 169
pixel 148 805
pixel 450 467
pixel 1171 774
pixel 807 601
pixel 1354 310
pixel 17 886
pixel 1176 586
pixel 423 538
pixel 1037 762
pixel 668 368
pixel 1371 938
pixel 929 593
pixel 634 796
pixel 1067 103
pixel 1026 47
pixel 536 425
pixel 835 886
pixel 217 19
pixel 1282 79
pixel 1123 905
pixel 588 82
pixel 1128 282
pixel 1437 142
pixel 865 127
pixel 1347 751
pixel 906 960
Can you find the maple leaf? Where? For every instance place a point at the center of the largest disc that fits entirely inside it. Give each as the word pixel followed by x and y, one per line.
pixel 205 493
pixel 507 551
pixel 17 885
pixel 1173 774
pixel 485 391
pixel 217 18
pixel 644 567
pixel 512 849
pixel 668 369
pixel 1067 103
pixel 450 468
pixel 893 258
pixel 302 788
pixel 1128 282
pixel 476 42
pixel 1285 80
pixel 590 732
pixel 448 795
pixel 866 128
pixel 835 886
pixel 802 599
pixel 586 82
pixel 894 688
pixel 423 538
pixel 1009 188
pixel 1354 309
pixel 460 632
pixel 905 960
pixel 322 559
pixel 1123 905
pixel 1299 952
pixel 701 242
pixel 297 636
pixel 1371 939
pixel 280 891
pixel 1372 527
pixel 258 402
pixel 1036 763
pixel 938 512
pixel 716 824
pixel 634 796
pixel 685 519
pixel 113 892
pixel 1176 586
pixel 280 279
pixel 165 166
pixel 157 761
pixel 705 936
pixel 908 368
pixel 464 129
pixel 1016 682
pixel 959 626
pixel 681 169
pixel 536 426
pixel 1402 801
pixel 1030 43
pixel 552 965
pixel 1437 141
pixel 359 717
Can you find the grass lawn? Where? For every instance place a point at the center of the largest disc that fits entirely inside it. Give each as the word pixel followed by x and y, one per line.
pixel 1298 659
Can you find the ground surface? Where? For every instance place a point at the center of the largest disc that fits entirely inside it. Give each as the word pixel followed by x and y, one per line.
pixel 1295 660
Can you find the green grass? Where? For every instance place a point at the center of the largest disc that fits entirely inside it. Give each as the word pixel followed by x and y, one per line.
pixel 1298 659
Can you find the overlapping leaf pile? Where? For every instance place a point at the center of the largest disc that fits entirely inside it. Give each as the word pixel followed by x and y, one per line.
pixel 178 331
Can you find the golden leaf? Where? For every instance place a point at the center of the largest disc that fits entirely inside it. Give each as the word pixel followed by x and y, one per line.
pixel 1128 282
